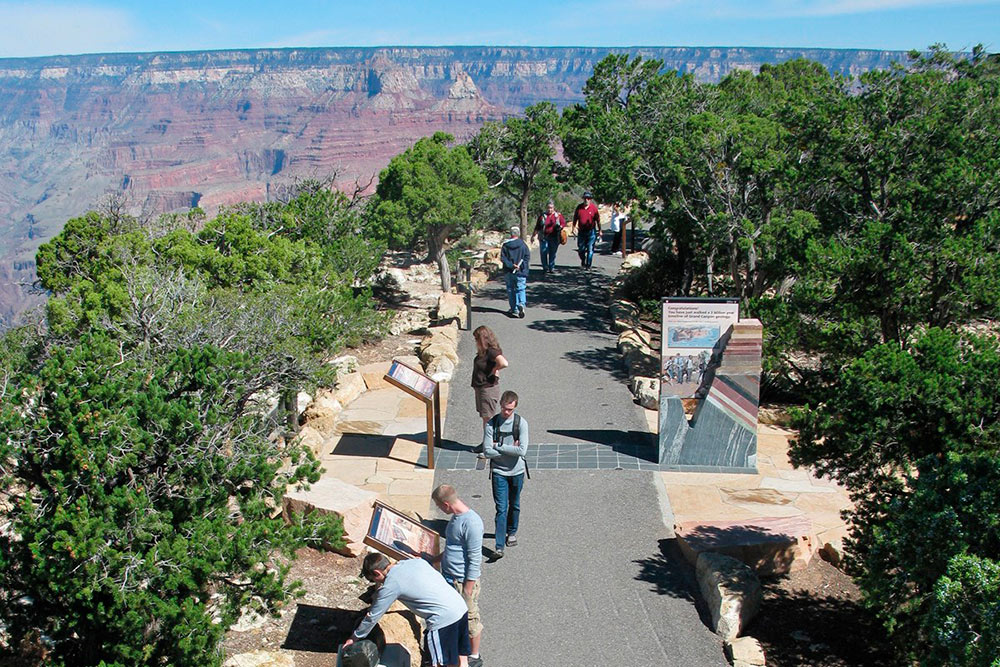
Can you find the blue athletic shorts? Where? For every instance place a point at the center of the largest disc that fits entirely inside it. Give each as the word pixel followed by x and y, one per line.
pixel 451 641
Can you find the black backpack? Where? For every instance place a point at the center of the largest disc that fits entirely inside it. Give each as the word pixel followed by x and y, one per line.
pixel 516 432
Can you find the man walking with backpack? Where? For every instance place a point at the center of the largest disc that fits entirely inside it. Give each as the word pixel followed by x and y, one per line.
pixel 505 442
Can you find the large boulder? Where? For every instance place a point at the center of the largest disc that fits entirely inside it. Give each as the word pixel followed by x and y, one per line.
pixel 478 280
pixel 731 592
pixel 332 496
pixel 451 307
pixel 647 391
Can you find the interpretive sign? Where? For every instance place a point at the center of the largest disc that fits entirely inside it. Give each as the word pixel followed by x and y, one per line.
pixel 408 378
pixel 398 536
pixel 691 331
pixel 427 390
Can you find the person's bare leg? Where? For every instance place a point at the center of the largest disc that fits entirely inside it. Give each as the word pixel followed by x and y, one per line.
pixel 474 643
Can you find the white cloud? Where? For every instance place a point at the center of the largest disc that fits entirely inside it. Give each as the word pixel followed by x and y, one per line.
pixel 40 29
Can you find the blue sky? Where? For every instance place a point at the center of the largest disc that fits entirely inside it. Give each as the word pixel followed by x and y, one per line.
pixel 41 27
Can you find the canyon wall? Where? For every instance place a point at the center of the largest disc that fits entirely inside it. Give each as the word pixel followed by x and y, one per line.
pixel 174 130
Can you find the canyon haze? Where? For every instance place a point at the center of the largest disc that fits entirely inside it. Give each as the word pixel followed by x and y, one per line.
pixel 171 131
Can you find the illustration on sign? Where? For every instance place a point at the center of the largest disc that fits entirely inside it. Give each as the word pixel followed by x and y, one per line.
pixel 408 377
pixel 692 329
pixel 397 535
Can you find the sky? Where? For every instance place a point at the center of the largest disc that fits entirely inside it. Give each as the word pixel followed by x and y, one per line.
pixel 43 27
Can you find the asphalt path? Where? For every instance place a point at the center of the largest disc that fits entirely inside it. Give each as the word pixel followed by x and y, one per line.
pixel 564 362
pixel 596 578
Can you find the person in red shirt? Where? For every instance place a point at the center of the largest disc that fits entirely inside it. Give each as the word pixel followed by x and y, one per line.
pixel 548 228
pixel 587 226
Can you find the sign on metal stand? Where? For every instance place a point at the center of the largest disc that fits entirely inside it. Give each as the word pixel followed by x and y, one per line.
pixel 421 387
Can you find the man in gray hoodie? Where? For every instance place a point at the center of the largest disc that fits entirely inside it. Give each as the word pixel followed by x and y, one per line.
pixel 424 592
pixel 505 442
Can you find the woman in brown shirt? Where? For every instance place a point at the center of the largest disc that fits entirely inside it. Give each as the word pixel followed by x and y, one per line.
pixel 486 373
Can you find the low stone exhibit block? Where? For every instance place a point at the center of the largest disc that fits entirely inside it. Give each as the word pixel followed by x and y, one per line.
pixel 332 496
pixel 771 545
pixel 731 592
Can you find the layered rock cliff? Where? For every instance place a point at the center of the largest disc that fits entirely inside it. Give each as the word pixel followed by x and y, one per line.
pixel 175 130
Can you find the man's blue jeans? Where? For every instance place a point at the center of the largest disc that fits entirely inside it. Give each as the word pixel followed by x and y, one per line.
pixel 507 497
pixel 548 245
pixel 515 291
pixel 585 240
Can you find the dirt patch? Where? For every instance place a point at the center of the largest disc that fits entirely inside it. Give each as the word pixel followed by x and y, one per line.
pixel 387 348
pixel 814 617
pixel 312 627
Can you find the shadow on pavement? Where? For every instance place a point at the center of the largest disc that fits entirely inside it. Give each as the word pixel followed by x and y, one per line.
pixel 606 359
pixel 671 575
pixel 639 444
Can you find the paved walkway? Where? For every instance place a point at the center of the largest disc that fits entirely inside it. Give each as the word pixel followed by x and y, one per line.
pixel 598 578
pixel 590 582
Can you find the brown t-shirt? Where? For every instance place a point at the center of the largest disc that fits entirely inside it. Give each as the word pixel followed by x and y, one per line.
pixel 484 368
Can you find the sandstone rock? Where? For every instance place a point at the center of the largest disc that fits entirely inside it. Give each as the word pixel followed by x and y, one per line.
pixel 411 360
pixel 394 277
pixel 248 620
pixel 642 362
pixel 647 391
pixel 622 325
pixel 774 415
pixel 451 307
pixel 769 545
pixel 374 375
pixel 624 310
pixel 322 412
pixel 745 652
pixel 731 592
pixel 492 258
pixel 302 401
pixel 441 369
pixel 447 333
pixel 635 337
pixel 332 496
pixel 833 552
pixel 431 352
pixel 344 364
pixel 348 387
pixel 406 321
pixel 260 659
pixel 635 260
pixel 312 438
pixel 401 627
pixel 478 280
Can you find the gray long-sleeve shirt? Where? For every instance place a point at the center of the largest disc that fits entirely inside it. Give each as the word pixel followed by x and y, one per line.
pixel 506 456
pixel 424 592
pixel 463 547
